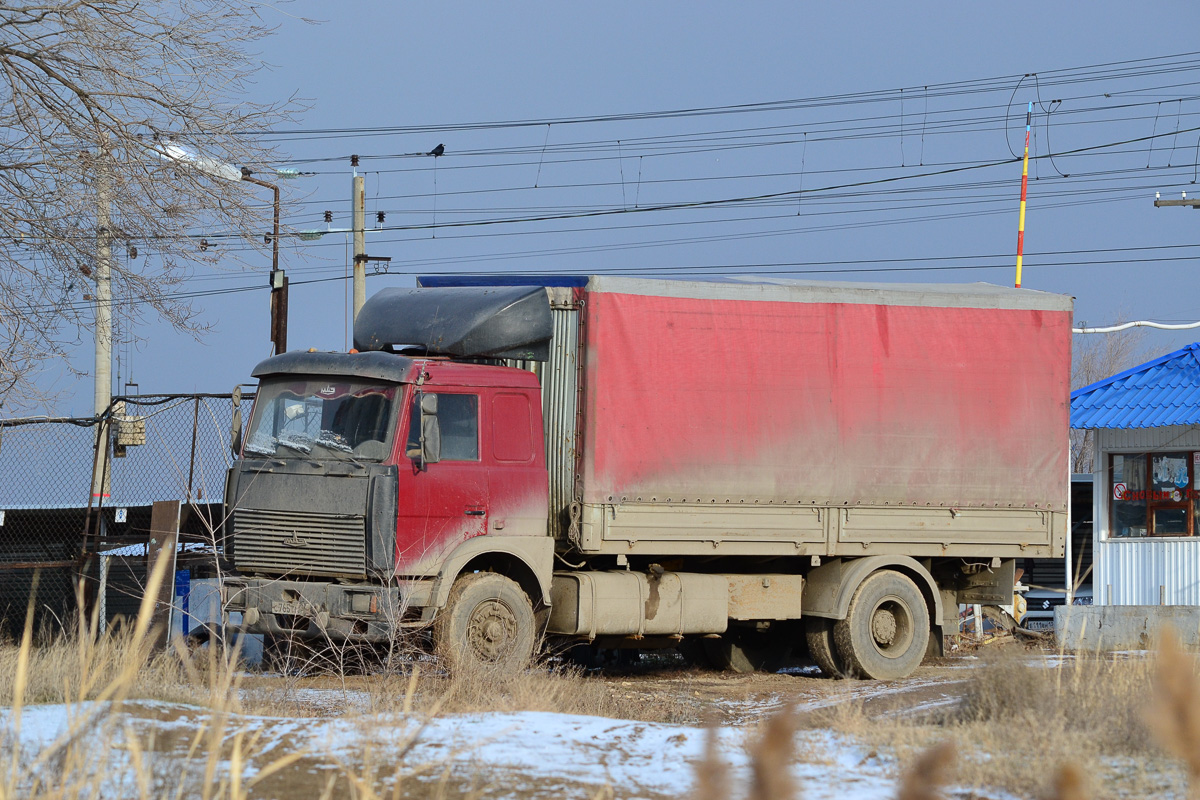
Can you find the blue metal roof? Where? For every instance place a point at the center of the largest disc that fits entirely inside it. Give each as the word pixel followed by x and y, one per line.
pixel 430 281
pixel 1164 391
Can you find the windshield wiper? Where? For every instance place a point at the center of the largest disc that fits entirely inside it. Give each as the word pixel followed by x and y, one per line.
pixel 299 448
pixel 338 447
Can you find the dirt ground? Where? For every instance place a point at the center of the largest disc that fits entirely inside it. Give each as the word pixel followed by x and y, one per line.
pixel 658 688
pixel 726 698
pixel 661 688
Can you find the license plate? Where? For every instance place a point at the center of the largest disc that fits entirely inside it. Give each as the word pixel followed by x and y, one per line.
pixel 1038 625
pixel 293 608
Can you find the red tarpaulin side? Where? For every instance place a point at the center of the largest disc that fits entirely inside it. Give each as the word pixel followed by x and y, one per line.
pixel 825 402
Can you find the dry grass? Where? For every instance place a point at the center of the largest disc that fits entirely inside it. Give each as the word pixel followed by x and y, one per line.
pixel 928 773
pixel 1174 714
pixel 771 758
pixel 712 773
pixel 1071 784
pixel 1095 727
pixel 561 689
pixel 60 671
pixel 96 677
pixel 1031 721
pixel 101 753
pixel 1034 731
pixel 564 690
pixel 1099 727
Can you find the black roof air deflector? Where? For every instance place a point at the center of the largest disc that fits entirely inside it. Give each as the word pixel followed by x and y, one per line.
pixel 369 366
pixel 462 321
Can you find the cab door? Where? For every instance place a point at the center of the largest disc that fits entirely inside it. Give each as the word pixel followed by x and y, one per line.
pixel 442 505
pixel 518 485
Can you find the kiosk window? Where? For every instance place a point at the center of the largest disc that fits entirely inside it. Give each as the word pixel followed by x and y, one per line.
pixel 1153 494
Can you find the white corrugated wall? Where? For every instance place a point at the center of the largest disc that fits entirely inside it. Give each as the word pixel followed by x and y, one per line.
pixel 1142 571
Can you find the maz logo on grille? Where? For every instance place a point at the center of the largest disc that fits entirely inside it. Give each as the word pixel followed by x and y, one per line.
pixel 295 541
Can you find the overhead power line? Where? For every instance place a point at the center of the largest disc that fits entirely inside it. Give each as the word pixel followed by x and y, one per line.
pixel 839 267
pixel 788 194
pixel 1131 68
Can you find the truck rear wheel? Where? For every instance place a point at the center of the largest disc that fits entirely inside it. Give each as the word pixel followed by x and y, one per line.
pixel 821 648
pixel 886 629
pixel 487 622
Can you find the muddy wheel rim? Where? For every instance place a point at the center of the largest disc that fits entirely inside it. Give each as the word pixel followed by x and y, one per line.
pixel 492 633
pixel 891 627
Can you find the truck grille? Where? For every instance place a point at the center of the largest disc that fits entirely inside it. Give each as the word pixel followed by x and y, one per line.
pixel 297 542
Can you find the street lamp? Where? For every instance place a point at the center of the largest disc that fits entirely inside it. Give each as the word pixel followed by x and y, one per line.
pixel 278 280
pixel 218 169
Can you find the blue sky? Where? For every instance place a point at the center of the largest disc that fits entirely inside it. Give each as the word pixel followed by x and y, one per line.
pixel 907 98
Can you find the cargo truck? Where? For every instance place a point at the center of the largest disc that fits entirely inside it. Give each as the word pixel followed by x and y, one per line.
pixel 737 469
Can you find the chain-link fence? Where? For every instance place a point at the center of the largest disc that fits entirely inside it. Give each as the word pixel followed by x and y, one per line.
pixel 45 478
pixel 63 511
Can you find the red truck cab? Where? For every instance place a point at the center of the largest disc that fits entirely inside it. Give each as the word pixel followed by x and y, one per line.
pixel 370 481
pixel 490 473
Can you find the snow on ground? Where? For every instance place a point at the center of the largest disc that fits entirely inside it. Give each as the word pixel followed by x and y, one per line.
pixel 743 712
pixel 323 702
pixel 530 754
pixel 527 755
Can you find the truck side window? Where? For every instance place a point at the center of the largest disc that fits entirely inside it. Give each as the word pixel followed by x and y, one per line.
pixel 458 417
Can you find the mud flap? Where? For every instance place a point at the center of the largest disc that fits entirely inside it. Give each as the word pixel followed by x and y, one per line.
pixel 937 644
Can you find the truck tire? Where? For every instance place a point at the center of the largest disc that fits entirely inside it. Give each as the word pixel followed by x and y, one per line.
pixel 487 622
pixel 746 653
pixel 886 630
pixel 694 653
pixel 818 632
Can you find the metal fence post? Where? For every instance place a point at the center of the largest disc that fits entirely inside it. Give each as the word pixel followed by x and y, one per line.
pixel 192 458
pixel 102 595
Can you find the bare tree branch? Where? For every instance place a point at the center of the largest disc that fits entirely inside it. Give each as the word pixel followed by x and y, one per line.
pixel 1096 357
pixel 92 89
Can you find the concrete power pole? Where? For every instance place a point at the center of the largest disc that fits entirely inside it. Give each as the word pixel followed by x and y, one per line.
pixel 103 389
pixel 360 244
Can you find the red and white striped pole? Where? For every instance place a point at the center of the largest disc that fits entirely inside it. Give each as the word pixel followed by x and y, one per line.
pixel 1024 191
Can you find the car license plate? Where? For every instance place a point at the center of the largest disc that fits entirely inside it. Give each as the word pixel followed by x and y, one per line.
pixel 295 608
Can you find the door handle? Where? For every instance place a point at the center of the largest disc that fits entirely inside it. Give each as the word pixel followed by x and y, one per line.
pixel 474 512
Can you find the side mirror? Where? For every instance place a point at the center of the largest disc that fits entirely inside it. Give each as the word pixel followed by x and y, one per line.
pixel 235 424
pixel 431 438
pixel 430 449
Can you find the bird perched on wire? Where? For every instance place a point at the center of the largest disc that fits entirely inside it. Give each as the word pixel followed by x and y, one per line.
pixel 437 151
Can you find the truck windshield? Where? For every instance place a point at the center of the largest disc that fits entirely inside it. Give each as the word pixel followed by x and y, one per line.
pixel 322 419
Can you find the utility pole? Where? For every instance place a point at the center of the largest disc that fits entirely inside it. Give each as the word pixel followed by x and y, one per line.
pixel 1024 191
pixel 360 243
pixel 103 272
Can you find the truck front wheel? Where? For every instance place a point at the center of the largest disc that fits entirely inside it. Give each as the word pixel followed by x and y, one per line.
pixel 487 622
pixel 886 630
